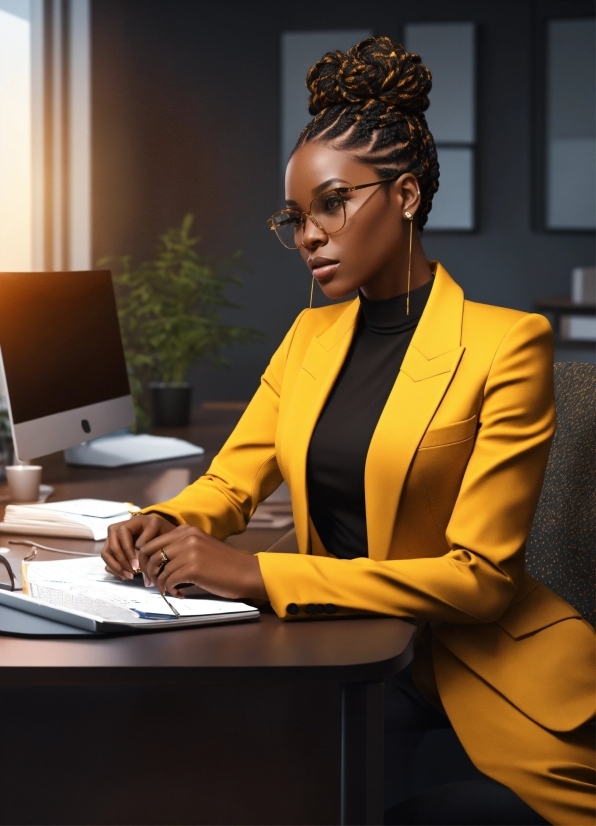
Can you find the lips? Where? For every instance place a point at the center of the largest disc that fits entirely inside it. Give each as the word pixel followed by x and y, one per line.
pixel 323 268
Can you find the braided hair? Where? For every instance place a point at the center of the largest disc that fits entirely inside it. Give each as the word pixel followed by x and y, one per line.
pixel 372 99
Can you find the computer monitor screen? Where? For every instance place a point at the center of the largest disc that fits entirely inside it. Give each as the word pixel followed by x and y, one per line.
pixel 62 359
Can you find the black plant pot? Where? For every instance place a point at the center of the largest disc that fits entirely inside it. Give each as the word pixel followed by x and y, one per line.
pixel 171 404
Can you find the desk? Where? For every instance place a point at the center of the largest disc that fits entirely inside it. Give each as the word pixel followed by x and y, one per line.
pixel 267 722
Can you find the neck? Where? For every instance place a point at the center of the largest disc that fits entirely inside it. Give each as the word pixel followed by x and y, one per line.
pixel 395 281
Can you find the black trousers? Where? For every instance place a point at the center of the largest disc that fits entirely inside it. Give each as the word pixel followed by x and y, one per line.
pixel 429 778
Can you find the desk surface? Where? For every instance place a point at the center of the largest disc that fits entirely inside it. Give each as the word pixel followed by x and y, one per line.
pixel 339 651
pixel 346 650
pixel 353 649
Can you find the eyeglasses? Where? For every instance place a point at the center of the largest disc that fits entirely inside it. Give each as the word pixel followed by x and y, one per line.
pixel 9 581
pixel 327 212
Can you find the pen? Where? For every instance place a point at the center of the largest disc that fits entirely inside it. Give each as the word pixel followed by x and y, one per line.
pixel 171 606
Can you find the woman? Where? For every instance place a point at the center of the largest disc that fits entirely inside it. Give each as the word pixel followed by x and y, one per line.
pixel 413 429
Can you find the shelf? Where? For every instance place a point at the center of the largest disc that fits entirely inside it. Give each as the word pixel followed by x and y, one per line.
pixel 563 304
pixel 574 344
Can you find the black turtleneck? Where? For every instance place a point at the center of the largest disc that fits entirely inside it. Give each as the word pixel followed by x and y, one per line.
pixel 340 441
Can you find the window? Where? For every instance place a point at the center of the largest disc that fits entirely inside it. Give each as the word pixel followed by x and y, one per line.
pixel 45 135
pixel 16 218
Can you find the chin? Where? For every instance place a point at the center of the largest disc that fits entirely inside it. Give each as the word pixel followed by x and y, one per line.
pixel 337 291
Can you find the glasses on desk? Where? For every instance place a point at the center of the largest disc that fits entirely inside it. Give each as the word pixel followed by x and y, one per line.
pixel 9 581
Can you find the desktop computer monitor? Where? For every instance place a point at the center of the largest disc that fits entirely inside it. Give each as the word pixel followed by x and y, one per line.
pixel 62 360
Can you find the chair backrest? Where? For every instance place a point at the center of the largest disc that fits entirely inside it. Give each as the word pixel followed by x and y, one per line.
pixel 561 549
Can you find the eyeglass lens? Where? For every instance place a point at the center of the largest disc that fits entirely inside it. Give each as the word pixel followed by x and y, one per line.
pixel 327 210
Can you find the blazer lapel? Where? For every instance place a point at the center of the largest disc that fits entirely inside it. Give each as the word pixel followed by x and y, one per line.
pixel 320 368
pixel 428 367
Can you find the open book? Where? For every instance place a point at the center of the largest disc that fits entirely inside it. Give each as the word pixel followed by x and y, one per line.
pixel 79 592
pixel 76 518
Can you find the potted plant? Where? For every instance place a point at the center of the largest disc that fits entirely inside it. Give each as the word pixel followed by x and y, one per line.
pixel 170 312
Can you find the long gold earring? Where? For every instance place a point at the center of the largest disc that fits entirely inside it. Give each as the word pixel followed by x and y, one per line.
pixel 410 218
pixel 312 287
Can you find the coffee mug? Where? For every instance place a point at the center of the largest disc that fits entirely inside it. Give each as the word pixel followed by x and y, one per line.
pixel 23 482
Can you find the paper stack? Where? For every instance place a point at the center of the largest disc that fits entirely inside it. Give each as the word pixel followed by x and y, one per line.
pixel 77 518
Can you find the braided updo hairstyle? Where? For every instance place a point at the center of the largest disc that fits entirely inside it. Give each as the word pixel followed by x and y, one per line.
pixel 372 99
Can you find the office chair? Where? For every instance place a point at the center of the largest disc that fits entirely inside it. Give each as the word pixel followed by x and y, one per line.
pixel 561 550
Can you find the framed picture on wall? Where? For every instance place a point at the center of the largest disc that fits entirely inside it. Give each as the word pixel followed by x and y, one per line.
pixel 565 119
pixel 449 51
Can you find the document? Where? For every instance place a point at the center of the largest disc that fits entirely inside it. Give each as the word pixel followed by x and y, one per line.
pixel 83 587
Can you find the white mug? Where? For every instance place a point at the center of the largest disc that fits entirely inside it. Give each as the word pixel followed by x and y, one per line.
pixel 23 482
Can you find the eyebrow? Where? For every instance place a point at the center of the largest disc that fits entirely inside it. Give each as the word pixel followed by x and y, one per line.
pixel 321 188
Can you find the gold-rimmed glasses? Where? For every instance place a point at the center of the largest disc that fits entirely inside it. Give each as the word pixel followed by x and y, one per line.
pixel 327 212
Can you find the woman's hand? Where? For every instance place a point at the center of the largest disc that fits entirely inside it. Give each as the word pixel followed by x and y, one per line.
pixel 120 552
pixel 188 554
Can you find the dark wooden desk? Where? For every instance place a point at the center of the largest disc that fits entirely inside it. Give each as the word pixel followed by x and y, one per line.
pixel 266 722
pixel 152 482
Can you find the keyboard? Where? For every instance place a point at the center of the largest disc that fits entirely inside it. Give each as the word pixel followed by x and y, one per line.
pixel 129 449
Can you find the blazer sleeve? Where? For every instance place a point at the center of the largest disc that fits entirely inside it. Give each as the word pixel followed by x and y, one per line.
pixel 492 517
pixel 245 470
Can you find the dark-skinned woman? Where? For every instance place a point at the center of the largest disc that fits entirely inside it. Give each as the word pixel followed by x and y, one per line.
pixel 413 428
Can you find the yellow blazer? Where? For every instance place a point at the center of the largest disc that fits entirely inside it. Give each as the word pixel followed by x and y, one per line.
pixel 452 479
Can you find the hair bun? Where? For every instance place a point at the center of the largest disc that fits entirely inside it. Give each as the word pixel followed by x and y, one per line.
pixel 375 69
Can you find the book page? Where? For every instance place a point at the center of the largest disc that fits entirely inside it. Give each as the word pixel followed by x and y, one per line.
pixel 84 585
pixel 96 508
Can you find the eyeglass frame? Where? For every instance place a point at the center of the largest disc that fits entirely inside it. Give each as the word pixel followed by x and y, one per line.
pixel 15 583
pixel 341 190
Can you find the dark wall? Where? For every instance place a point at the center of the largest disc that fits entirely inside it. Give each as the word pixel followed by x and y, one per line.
pixel 186 118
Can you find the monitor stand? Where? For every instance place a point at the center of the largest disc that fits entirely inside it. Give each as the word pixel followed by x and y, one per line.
pixel 121 449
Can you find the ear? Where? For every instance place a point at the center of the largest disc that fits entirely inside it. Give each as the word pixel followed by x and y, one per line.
pixel 408 192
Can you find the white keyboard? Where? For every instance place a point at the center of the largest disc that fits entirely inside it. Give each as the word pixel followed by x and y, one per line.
pixel 127 449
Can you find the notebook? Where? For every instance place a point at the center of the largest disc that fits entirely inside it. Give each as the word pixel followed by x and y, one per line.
pixel 79 592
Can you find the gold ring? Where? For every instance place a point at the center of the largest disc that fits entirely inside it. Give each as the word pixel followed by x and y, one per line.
pixel 164 558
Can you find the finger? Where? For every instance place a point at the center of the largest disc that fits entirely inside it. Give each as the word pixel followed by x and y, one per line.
pixel 151 567
pixel 113 573
pixel 170 538
pixel 172 575
pixel 156 563
pixel 176 553
pixel 114 555
pixel 152 527
pixel 125 544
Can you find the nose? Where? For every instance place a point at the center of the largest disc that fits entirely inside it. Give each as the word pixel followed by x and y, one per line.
pixel 313 236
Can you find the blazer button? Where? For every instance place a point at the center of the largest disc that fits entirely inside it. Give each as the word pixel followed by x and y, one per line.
pixel 292 608
pixel 330 608
pixel 310 608
pixel 320 609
